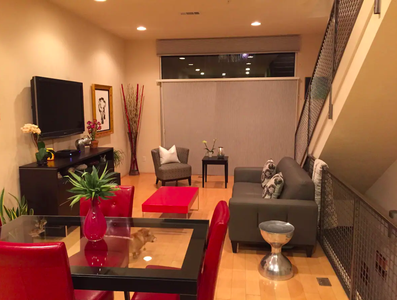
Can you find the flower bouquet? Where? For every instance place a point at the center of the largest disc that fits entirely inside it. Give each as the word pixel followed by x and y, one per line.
pixel 41 154
pixel 93 127
pixel 211 151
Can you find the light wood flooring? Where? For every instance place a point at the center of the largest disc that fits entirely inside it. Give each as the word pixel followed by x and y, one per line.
pixel 238 276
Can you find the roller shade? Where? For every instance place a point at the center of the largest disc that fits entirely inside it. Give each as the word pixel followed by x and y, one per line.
pixel 290 43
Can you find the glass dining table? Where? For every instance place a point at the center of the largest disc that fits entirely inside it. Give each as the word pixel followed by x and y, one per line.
pixel 136 254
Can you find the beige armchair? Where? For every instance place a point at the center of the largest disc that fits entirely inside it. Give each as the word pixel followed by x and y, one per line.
pixel 172 171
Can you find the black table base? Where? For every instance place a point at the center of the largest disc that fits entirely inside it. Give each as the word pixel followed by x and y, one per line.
pixel 215 161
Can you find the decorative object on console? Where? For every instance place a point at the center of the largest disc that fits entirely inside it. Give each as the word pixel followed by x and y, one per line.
pixel 274 187
pixel 51 154
pixel 81 143
pixel 221 152
pixel 133 103
pixel 168 156
pixel 102 107
pixel 269 169
pixel 93 128
pixel 13 213
pixel 41 155
pixel 94 188
pixel 211 151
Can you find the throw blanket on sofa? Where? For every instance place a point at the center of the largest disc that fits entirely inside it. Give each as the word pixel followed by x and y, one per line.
pixel 331 219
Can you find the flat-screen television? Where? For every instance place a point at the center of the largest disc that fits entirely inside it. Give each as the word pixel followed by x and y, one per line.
pixel 58 106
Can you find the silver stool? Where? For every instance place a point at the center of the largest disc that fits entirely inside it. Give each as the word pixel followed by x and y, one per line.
pixel 275 266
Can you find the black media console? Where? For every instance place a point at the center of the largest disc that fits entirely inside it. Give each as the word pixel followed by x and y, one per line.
pixel 46 193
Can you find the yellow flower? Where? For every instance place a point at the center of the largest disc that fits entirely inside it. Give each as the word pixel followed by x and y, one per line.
pixel 204 142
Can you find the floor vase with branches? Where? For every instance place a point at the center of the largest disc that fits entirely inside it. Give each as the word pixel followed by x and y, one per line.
pixel 133 104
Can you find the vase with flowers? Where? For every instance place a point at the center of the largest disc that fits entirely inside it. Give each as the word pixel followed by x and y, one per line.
pixel 92 187
pixel 93 128
pixel 211 151
pixel 35 132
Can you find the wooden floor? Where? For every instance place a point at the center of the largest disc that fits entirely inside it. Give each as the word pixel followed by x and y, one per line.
pixel 238 276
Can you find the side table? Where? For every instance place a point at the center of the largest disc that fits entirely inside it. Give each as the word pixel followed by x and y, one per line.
pixel 215 161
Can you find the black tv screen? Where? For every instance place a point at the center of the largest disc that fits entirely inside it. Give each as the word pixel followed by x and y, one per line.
pixel 58 106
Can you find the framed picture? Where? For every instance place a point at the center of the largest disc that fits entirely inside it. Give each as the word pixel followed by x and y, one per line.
pixel 102 107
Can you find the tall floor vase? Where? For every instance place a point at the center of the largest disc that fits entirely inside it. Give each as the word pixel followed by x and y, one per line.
pixel 134 170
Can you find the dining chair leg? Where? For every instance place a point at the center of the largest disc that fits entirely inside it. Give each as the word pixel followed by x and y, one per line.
pixel 126 295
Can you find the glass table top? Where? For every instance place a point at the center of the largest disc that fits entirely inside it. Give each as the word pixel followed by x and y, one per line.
pixel 130 244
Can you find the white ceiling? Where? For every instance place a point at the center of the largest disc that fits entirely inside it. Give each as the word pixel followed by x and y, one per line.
pixel 218 18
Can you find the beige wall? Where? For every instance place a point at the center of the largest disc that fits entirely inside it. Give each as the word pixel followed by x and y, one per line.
pixel 38 38
pixel 143 67
pixel 384 190
pixel 306 59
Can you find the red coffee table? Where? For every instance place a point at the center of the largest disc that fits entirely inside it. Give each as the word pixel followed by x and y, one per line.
pixel 172 199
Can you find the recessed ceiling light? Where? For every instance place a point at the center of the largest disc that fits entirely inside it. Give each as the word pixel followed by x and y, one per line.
pixel 202 73
pixel 248 64
pixel 197 70
pixel 100 0
pixel 247 73
pixel 250 56
pixel 223 74
pixel 141 28
pixel 190 64
pixel 182 58
pixel 256 23
pixel 247 69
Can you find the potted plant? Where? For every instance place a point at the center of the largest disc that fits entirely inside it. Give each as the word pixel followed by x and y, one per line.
pixel 93 127
pixel 94 188
pixel 13 213
pixel 118 157
pixel 211 151
pixel 42 154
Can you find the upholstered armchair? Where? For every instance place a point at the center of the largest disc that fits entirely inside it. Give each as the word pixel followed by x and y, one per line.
pixel 172 171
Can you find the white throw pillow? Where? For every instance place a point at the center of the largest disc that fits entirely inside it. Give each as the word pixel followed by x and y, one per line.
pixel 268 172
pixel 168 156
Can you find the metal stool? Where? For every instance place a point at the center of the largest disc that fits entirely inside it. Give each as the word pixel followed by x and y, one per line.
pixel 275 266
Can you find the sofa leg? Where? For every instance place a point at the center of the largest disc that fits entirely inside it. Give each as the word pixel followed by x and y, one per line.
pixel 309 251
pixel 190 180
pixel 162 182
pixel 157 180
pixel 234 246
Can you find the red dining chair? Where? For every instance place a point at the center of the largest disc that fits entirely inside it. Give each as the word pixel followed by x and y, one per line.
pixel 114 251
pixel 35 271
pixel 209 273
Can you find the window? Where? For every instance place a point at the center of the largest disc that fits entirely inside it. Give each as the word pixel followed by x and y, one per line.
pixel 228 66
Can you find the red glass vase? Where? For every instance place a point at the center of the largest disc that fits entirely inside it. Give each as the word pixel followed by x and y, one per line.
pixel 95 226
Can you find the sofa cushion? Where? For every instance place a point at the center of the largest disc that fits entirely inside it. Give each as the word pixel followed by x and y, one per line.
pixel 247 189
pixel 174 171
pixel 297 183
pixel 269 169
pixel 274 187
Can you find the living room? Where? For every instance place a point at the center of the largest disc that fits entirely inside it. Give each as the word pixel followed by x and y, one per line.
pixel 97 43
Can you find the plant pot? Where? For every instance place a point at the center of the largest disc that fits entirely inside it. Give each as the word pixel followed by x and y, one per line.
pixel 209 154
pixel 95 226
pixel 94 144
pixel 42 162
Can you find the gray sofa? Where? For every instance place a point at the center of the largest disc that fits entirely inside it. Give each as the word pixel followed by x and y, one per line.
pixel 295 205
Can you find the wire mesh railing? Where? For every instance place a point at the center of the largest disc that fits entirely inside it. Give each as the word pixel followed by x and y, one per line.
pixel 359 239
pixel 340 25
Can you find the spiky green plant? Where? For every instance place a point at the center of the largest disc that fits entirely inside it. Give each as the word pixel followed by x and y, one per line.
pixel 91 185
pixel 118 157
pixel 13 213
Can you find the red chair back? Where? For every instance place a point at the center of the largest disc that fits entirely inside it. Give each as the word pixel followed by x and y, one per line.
pixel 35 271
pixel 120 205
pixel 217 233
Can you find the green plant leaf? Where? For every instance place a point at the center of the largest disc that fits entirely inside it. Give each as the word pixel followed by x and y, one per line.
pixel 40 145
pixel 3 221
